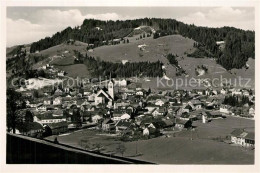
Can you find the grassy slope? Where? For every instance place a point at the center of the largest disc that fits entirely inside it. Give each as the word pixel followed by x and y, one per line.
pixel 75 70
pixel 155 50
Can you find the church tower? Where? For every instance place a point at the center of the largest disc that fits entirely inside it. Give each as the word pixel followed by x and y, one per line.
pixel 111 88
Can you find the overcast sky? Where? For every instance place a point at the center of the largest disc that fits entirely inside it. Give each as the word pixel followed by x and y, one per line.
pixel 29 24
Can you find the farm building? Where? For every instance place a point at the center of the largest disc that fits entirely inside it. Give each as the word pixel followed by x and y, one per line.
pixel 243 138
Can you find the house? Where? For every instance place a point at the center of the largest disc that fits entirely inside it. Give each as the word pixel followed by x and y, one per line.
pixel 187 108
pixel 159 102
pixel 121 103
pixel 139 93
pixel 151 129
pixel 87 108
pixel 102 97
pixel 57 101
pixel 58 113
pixel 48 117
pixel 200 92
pixel 157 112
pixel 251 111
pixel 146 132
pixel 47 101
pixel 41 108
pixel 58 92
pixel 223 91
pixel 120 115
pixel 236 92
pixel 56 128
pixel 61 73
pixel 108 124
pixel 186 116
pixel 122 125
pixel 32 129
pixel 243 138
pixel 195 104
pixel 96 118
pixel 181 124
pixel 225 109
pixel 214 115
pixel 167 123
pixel 245 93
pixel 150 107
pixel 121 83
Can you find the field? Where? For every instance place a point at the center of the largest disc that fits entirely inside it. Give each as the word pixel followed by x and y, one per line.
pixel 75 70
pixel 174 150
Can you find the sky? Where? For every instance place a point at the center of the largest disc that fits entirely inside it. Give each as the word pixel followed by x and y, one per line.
pixel 29 24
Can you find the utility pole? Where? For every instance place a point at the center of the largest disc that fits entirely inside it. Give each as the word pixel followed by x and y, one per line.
pixel 136 147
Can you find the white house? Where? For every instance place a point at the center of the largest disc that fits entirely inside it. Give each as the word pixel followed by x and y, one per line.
pixel 159 102
pixel 139 93
pixel 225 109
pixel 118 117
pixel 243 138
pixel 236 92
pixel 103 97
pixel 47 102
pixel 146 132
pixel 223 91
pixel 47 117
pixel 61 73
pixel 96 118
pixel 57 101
pixel 41 108
pixel 251 111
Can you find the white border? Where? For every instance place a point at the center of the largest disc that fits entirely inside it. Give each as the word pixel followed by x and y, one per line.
pixel 122 168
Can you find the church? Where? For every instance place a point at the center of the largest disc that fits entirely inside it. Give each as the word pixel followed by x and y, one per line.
pixel 105 97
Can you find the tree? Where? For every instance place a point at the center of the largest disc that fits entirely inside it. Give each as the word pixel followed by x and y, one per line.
pixel 36 94
pixel 28 116
pixel 15 103
pixel 121 149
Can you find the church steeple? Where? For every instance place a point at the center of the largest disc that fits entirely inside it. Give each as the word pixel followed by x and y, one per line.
pixel 111 87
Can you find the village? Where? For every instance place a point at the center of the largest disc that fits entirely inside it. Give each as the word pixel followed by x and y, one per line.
pixel 125 110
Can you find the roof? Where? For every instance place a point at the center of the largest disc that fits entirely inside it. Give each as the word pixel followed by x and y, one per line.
pixel 243 134
pixel 168 122
pixel 123 123
pixel 31 126
pixel 104 93
pixel 185 115
pixel 57 125
pixel 107 121
pixel 58 112
pixel 48 115
pixel 179 121
pixel 196 102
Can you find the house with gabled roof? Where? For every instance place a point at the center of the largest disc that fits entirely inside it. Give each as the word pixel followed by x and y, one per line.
pixel 179 123
pixel 122 126
pixel 47 117
pixel 58 92
pixel 243 138
pixel 108 124
pixel 102 97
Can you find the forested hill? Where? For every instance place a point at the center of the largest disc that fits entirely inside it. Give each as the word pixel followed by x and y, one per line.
pixel 239 44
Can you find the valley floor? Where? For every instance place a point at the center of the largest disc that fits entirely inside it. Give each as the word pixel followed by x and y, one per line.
pixel 204 148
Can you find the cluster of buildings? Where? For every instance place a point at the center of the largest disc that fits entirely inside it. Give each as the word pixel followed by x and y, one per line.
pixel 123 108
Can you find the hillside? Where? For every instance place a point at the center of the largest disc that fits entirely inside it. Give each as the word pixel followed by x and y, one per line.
pixel 141 50
pixel 239 44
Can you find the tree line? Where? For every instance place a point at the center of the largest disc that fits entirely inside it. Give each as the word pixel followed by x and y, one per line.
pixel 100 68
